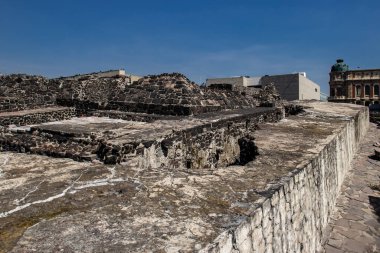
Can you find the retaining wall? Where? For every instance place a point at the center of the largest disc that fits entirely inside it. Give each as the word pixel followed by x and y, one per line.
pixel 37 116
pixel 296 212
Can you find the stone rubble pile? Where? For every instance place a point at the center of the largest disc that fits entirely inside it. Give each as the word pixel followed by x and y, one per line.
pixel 269 95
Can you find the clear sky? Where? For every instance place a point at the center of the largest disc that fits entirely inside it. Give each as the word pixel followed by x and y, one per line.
pixel 200 38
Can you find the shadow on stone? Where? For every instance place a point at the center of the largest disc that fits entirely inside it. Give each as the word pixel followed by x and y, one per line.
pixel 248 151
pixel 373 157
pixel 375 203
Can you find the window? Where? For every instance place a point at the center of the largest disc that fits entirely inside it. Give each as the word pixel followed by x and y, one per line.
pixel 339 91
pixel 376 90
pixel 358 91
pixel 367 90
pixel 316 90
pixel 332 92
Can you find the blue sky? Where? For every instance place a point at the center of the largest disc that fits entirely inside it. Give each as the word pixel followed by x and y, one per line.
pixel 207 38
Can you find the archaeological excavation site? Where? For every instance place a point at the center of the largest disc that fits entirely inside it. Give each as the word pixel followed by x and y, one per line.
pixel 161 164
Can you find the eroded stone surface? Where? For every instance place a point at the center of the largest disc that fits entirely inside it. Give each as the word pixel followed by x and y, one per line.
pixel 208 140
pixel 57 204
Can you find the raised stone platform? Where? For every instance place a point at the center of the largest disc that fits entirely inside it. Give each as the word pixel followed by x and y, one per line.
pixel 279 202
pixel 170 141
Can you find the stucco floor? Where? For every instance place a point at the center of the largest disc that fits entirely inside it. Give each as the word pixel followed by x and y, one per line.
pixel 355 224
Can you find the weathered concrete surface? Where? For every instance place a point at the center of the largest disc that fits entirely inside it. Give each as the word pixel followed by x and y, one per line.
pixel 355 225
pixel 280 202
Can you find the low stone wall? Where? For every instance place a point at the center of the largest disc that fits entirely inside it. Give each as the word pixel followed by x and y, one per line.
pixel 37 116
pixel 209 146
pixel 61 147
pixel 142 117
pixel 291 216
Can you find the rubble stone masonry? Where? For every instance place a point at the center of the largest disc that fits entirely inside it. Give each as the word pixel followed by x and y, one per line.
pixel 293 215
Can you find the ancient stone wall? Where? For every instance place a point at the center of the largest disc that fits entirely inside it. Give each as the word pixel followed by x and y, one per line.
pixel 49 145
pixel 37 116
pixel 21 92
pixel 88 93
pixel 142 117
pixel 165 94
pixel 292 216
pixel 207 146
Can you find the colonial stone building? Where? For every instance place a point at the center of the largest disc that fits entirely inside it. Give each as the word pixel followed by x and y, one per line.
pixel 354 86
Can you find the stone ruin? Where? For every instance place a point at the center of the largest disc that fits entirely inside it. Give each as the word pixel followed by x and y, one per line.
pixel 165 94
pixel 23 92
pixel 151 98
pixel 164 165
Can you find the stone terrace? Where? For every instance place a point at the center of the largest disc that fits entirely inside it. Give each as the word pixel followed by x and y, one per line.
pixel 117 140
pixel 279 202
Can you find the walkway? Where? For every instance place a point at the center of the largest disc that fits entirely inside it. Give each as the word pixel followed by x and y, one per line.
pixel 355 225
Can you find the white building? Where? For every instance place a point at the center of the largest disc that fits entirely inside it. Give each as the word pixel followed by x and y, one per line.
pixel 294 86
pixel 244 81
pixel 290 86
